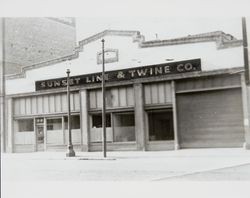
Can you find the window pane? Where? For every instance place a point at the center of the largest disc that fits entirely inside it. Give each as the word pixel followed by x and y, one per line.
pixel 54 124
pixel 97 121
pixel 124 127
pixel 75 122
pixel 25 125
pixel 96 128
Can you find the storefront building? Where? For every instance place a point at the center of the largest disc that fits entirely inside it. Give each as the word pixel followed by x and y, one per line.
pixel 160 95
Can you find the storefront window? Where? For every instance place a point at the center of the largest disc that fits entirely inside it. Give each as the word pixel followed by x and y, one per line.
pixel 124 127
pixel 96 128
pixel 160 125
pixel 75 122
pixel 97 121
pixel 25 125
pixel 54 124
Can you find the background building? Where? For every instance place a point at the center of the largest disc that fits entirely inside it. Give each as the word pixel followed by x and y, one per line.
pixel 34 40
pixel 28 41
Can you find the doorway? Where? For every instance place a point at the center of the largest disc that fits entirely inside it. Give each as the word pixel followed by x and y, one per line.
pixel 40 137
pixel 160 124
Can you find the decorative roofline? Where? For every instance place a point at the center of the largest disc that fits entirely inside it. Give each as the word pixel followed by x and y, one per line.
pixel 221 39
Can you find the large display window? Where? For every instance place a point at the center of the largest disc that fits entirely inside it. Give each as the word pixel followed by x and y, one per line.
pixel 124 127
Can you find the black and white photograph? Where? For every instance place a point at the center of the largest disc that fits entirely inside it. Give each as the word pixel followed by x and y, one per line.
pixel 125 99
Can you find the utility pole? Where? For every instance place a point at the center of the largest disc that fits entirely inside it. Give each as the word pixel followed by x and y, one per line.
pixel 103 103
pixel 71 152
pixel 246 86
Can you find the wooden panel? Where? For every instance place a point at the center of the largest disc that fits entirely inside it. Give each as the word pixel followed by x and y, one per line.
pixel 157 93
pixel 77 101
pixel 39 104
pixel 24 138
pixel 76 136
pixel 24 148
pixel 22 106
pixel 45 104
pixel 99 98
pixel 28 106
pixel 92 99
pixel 168 92
pixel 208 82
pixel 130 96
pixel 154 94
pixel 161 92
pixel 55 137
pixel 117 97
pixel 16 106
pixel 58 103
pixel 210 119
pixel 122 97
pixel 64 103
pixel 52 107
pixel 72 105
pixel 34 105
pixel 147 94
pixel 160 145
pixel 128 146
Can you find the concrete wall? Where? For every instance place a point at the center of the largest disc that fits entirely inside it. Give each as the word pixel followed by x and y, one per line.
pixel 131 55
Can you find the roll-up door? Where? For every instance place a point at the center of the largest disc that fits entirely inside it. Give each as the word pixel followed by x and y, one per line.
pixel 210 119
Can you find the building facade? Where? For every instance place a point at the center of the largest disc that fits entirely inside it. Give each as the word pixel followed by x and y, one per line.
pixel 160 95
pixel 29 41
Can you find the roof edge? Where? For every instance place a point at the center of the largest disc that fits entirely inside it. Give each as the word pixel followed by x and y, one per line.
pixel 221 39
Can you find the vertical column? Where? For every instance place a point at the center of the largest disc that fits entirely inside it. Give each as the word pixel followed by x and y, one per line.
pixel 176 139
pixel 2 86
pixel 45 133
pixel 63 131
pixel 35 134
pixel 246 111
pixel 140 129
pixel 84 119
pixel 10 131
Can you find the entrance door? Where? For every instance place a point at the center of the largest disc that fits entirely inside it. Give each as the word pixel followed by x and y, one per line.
pixel 160 125
pixel 40 137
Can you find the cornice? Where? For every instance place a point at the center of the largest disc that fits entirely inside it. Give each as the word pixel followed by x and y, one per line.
pixel 221 39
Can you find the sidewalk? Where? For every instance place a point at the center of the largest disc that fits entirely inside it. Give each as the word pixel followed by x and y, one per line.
pixel 120 166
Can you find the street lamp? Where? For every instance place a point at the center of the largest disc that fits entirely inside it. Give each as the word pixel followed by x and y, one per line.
pixel 103 103
pixel 71 152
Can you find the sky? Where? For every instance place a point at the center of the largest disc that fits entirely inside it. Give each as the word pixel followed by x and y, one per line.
pixel 121 8
pixel 159 27
pixel 166 18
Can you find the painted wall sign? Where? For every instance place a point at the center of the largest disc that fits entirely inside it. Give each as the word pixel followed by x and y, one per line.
pixel 125 74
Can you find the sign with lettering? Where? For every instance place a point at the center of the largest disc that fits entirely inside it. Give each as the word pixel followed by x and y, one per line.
pixel 125 74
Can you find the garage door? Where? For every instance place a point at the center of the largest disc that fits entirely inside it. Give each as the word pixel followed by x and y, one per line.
pixel 210 119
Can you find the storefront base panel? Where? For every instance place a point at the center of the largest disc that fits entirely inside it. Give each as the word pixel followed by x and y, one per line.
pixel 24 148
pixel 160 146
pixel 208 145
pixel 114 147
pixel 63 148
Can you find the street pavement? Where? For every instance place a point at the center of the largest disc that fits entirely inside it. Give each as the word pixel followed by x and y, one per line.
pixel 51 174
pixel 188 164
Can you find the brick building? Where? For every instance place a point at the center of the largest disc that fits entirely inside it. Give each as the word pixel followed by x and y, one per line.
pixel 33 40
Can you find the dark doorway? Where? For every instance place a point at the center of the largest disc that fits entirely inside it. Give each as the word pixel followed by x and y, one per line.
pixel 160 125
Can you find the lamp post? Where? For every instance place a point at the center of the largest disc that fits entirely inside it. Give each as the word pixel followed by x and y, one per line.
pixel 71 152
pixel 103 103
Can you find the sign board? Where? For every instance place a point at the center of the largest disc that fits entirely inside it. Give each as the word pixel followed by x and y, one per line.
pixel 125 74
